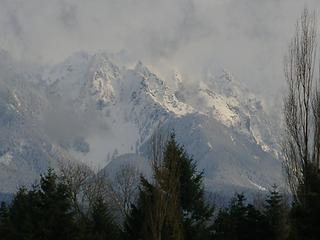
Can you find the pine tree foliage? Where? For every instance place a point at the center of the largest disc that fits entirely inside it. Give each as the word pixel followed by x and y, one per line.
pixel 135 226
pixel 305 214
pixel 239 221
pixel 4 225
pixel 42 212
pixel 46 212
pixel 56 217
pixel 101 224
pixel 276 212
pixel 196 212
pixel 173 206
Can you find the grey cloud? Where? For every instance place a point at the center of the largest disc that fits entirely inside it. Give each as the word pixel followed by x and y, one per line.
pixel 68 15
pixel 247 37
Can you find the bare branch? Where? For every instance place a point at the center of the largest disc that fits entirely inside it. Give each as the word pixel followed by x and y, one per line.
pixel 301 106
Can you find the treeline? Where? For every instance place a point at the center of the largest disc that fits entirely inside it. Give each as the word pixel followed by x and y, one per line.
pixel 77 204
pixel 47 211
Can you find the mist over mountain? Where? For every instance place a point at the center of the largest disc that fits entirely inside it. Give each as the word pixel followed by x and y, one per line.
pixel 94 110
pixel 247 37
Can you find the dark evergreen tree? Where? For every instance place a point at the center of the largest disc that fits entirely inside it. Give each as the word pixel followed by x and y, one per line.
pixel 56 216
pixel 41 213
pixel 276 213
pixel 22 219
pixel 192 213
pixel 101 223
pixel 46 212
pixel 240 221
pixel 136 226
pixel 306 211
pixel 196 212
pixel 4 217
pixel 4 211
pixel 254 226
pixel 228 224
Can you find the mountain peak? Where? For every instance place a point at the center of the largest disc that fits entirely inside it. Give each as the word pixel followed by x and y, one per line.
pixel 142 69
pixel 108 111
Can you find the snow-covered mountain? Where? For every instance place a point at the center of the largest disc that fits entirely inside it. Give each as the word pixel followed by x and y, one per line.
pixel 25 151
pixel 93 109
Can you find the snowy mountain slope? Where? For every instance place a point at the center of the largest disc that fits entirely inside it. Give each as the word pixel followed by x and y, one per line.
pixel 25 151
pixel 91 109
pixel 220 96
pixel 119 107
pixel 226 156
pixel 221 124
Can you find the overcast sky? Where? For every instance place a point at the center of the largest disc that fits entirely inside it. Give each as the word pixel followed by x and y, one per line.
pixel 247 37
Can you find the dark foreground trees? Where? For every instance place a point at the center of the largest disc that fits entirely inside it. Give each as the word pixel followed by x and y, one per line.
pixel 169 206
pixel 47 212
pixel 74 205
pixel 276 211
pixel 241 220
pixel 173 205
pixel 41 213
